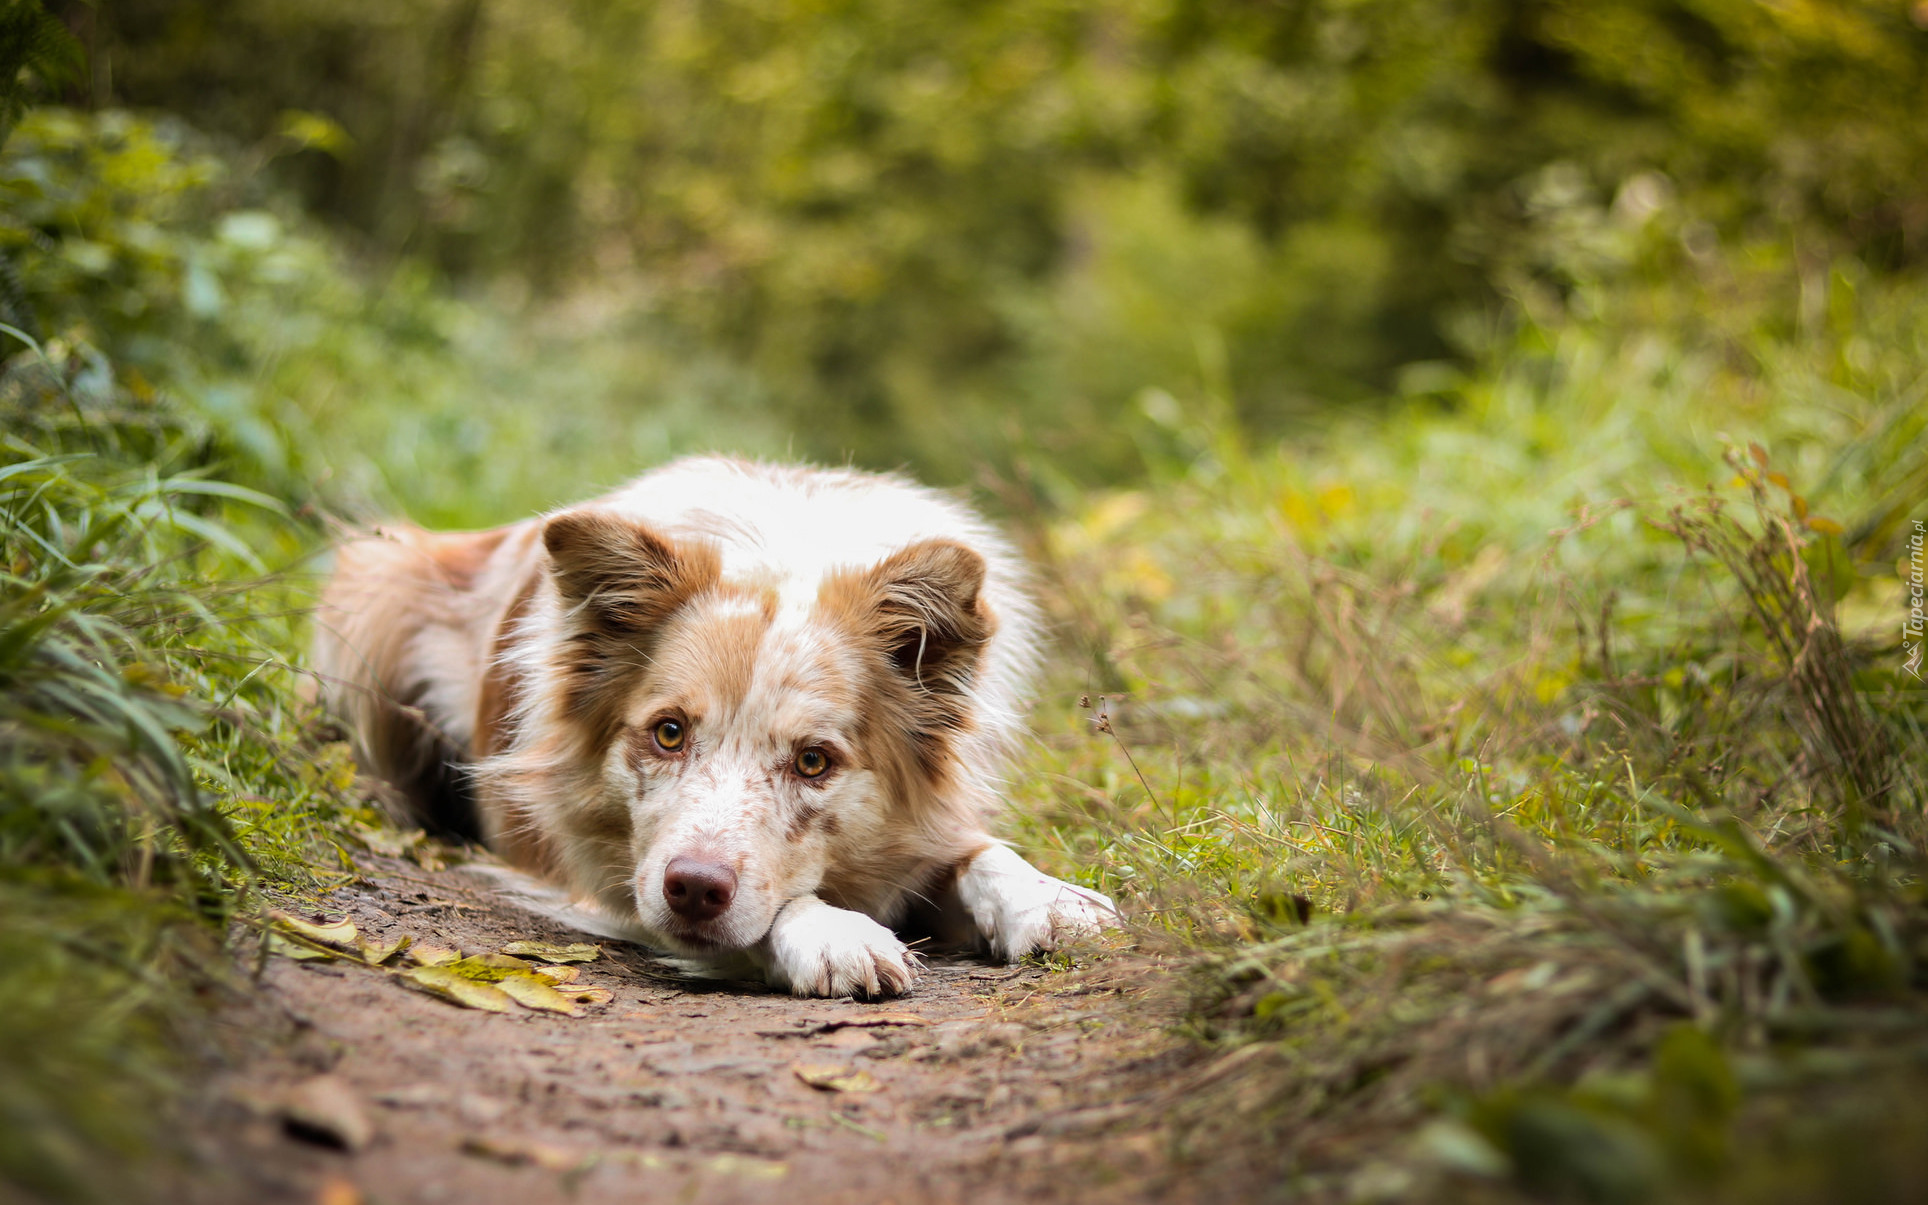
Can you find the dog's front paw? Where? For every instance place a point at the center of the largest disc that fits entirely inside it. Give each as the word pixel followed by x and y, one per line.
pixel 1020 909
pixel 816 950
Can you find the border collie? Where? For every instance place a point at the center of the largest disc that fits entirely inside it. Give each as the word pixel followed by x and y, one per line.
pixel 749 712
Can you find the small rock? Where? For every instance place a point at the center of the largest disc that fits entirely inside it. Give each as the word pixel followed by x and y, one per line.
pixel 325 1110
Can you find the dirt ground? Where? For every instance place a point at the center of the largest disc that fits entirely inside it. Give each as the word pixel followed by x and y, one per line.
pixel 987 1083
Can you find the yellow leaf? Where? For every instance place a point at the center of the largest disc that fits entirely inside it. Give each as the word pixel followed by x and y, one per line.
pixel 299 951
pixel 533 991
pixel 487 968
pixel 550 952
pixel 423 954
pixel 375 951
pixel 559 974
pixel 458 989
pixel 340 934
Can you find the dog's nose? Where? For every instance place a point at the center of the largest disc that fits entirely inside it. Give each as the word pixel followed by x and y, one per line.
pixel 697 890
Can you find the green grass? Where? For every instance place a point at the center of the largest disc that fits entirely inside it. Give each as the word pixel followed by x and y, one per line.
pixel 1580 736
pixel 156 763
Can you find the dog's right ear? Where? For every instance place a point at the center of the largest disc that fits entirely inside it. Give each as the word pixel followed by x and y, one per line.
pixel 626 578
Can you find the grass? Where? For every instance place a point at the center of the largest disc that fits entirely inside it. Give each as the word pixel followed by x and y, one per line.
pixel 1539 803
pixel 156 763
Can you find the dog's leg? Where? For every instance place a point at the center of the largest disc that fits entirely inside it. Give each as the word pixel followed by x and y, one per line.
pixel 814 949
pixel 1019 908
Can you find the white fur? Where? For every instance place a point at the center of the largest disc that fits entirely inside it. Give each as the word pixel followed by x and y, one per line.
pixel 1020 909
pixel 813 949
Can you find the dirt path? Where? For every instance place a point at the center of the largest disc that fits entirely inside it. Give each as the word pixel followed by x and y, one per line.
pixel 993 1083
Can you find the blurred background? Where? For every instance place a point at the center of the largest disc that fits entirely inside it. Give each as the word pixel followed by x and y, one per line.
pixel 957 236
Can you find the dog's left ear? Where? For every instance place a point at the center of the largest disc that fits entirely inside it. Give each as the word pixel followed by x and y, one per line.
pixel 923 609
pixel 626 581
pixel 627 578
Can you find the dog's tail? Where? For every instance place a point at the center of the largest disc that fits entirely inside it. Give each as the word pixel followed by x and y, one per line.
pixel 396 654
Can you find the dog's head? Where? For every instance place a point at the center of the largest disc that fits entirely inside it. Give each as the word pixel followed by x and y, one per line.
pixel 766 740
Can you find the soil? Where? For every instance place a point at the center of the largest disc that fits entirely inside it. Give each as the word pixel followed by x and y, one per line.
pixel 986 1083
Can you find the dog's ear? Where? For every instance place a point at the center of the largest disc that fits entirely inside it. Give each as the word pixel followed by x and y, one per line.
pixel 625 577
pixel 625 581
pixel 923 609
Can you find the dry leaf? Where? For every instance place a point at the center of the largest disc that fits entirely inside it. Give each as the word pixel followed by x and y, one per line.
pixel 533 991
pixel 375 951
pixel 487 968
pixel 550 952
pixel 828 1077
pixel 458 989
pixel 425 955
pixel 340 934
pixel 593 997
pixel 298 950
pixel 559 974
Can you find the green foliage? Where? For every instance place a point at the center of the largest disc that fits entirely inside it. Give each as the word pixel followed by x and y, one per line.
pixel 36 53
pixel 942 232
pixel 1494 739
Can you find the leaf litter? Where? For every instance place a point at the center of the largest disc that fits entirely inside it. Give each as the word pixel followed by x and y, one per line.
pixel 496 982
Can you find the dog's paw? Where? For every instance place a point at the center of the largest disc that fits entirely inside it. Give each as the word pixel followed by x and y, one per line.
pixel 816 950
pixel 1021 910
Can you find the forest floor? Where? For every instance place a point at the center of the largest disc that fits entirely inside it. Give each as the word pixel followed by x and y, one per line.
pixel 986 1083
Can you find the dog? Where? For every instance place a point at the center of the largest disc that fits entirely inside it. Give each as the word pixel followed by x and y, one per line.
pixel 757 713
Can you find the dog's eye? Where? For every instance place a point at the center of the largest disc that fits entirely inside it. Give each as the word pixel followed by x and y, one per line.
pixel 670 735
pixel 812 762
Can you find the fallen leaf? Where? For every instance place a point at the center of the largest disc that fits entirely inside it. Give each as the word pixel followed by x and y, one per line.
pixel 298 950
pixel 550 952
pixel 827 1077
pixel 375 951
pixel 559 974
pixel 487 968
pixel 533 991
pixel 516 1152
pixel 425 955
pixel 327 1111
pixel 340 934
pixel 592 997
pixel 458 989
